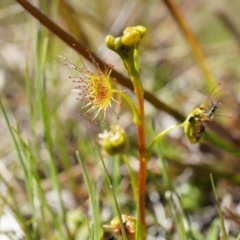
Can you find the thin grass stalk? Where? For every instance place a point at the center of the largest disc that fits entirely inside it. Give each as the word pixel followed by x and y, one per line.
pixel 138 225
pixel 32 103
pixel 31 187
pixel 196 49
pixel 31 99
pixel 31 163
pixel 60 141
pixel 178 216
pixel 224 232
pixel 93 200
pixel 44 112
pixel 36 190
pixel 15 209
pixel 20 158
pixel 52 164
pixel 116 175
pixel 22 163
pixel 213 231
pixel 124 235
pixel 178 220
pixel 132 176
pixel 89 229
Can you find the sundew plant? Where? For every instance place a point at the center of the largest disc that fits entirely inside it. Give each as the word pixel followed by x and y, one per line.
pixel 118 131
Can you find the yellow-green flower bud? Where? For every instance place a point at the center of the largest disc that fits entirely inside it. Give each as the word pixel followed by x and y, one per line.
pixel 114 141
pixel 110 42
pixel 130 38
pixel 129 223
pixel 118 42
pixel 128 30
pixel 142 30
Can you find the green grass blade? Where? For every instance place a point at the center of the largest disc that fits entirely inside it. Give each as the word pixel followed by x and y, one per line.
pixel 124 235
pixel 45 115
pixel 138 230
pixel 224 232
pixel 177 215
pixel 213 232
pixel 132 176
pixel 14 206
pixel 20 158
pixel 96 230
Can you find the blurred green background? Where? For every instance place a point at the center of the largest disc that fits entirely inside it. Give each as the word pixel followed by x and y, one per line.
pixel 44 118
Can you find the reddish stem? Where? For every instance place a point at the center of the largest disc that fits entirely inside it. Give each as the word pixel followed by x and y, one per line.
pixel 142 152
pixel 142 171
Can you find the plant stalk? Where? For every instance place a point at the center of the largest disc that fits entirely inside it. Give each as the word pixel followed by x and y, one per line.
pixel 196 49
pixel 138 90
pixel 143 162
pixel 142 174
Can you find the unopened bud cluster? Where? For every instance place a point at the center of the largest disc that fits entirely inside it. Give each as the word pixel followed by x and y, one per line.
pixel 131 36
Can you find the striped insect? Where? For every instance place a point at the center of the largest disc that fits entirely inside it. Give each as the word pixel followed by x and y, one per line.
pixel 193 125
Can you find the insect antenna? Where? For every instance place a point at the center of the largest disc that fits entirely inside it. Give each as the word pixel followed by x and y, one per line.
pixel 229 117
pixel 211 94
